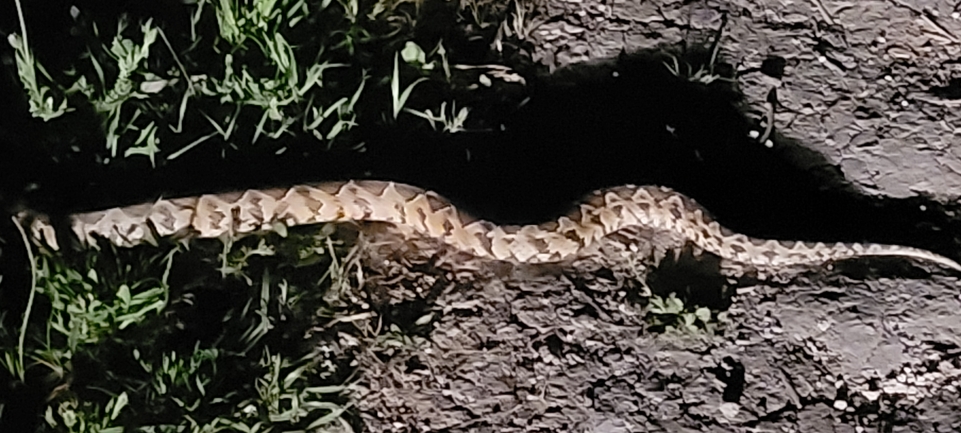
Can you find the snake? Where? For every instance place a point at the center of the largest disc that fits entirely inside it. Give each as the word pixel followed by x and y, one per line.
pixel 599 216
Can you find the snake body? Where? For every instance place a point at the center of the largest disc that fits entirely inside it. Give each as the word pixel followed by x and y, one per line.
pixel 600 215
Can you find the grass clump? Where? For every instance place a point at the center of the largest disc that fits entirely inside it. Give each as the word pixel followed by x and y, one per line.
pixel 229 74
pixel 190 348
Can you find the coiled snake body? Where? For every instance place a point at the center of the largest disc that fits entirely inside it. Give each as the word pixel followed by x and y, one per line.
pixel 600 215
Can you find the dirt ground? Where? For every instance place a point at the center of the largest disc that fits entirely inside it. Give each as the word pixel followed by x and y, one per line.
pixel 869 85
pixel 567 348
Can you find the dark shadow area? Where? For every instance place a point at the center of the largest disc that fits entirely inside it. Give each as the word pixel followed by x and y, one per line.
pixel 696 280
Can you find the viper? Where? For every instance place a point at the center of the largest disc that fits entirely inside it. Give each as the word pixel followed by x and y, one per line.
pixel 599 216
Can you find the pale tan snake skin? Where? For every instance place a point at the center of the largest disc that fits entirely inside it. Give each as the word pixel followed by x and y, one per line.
pixel 601 214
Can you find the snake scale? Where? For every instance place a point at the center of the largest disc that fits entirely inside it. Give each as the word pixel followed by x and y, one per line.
pixel 598 216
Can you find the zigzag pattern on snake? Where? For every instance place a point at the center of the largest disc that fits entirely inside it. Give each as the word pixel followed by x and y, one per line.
pixel 600 215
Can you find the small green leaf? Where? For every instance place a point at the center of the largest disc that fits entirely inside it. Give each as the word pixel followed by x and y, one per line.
pixel 92 275
pixel 48 415
pixel 124 294
pixel 68 415
pixel 119 404
pixel 704 314
pixel 331 389
pixel 200 386
pixel 413 54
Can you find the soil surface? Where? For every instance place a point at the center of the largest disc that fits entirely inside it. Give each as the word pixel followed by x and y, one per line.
pixel 871 88
pixel 567 347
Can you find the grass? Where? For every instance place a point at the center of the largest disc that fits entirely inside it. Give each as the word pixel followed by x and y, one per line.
pixel 253 73
pixel 211 337
pixel 175 343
